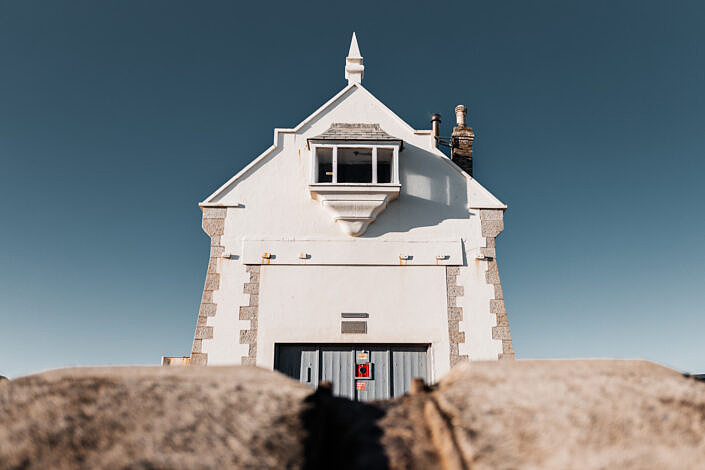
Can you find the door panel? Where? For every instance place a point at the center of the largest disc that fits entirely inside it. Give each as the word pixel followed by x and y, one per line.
pixel 378 388
pixel 337 367
pixel 408 362
pixel 299 362
pixel 309 366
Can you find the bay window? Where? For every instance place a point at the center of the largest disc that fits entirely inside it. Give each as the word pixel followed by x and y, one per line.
pixel 354 164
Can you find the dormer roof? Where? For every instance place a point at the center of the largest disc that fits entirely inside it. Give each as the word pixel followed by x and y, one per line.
pixel 367 133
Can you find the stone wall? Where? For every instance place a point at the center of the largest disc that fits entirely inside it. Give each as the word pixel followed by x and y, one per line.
pixel 214 225
pixel 250 312
pixel 492 221
pixel 455 314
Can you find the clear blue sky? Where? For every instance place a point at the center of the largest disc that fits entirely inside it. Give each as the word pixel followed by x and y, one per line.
pixel 116 118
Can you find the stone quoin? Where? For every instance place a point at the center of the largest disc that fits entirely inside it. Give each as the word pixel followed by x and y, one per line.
pixel 354 240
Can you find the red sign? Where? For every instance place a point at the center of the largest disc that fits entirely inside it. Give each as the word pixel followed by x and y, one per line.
pixel 362 371
pixel 361 386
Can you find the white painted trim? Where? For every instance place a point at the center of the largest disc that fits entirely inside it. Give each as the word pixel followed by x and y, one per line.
pixel 334 165
pixel 334 160
pixel 219 204
pixel 313 162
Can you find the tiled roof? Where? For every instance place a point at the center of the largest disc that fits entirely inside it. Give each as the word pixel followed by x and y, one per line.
pixel 343 131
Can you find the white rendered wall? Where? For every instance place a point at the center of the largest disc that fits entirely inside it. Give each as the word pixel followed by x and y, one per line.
pixel 303 304
pixel 271 202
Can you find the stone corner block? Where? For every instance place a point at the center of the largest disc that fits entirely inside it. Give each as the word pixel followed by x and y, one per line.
pixel 248 336
pixel 497 306
pixel 213 227
pixel 507 347
pixel 251 288
pixel 456 291
pixel 214 212
pixel 491 214
pixel 500 332
pixel 452 270
pixel 212 281
pixel 457 337
pixel 247 313
pixel 492 228
pixel 204 332
pixel 492 274
pixel 498 294
pixel 199 359
pixel 208 309
pixel 455 313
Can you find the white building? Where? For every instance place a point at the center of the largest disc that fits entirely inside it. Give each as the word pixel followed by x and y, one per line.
pixel 352 240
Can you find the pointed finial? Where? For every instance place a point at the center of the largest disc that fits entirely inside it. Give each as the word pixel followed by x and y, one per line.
pixel 354 52
pixel 354 69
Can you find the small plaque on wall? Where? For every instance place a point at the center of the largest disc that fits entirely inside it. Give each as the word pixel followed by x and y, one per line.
pixel 353 327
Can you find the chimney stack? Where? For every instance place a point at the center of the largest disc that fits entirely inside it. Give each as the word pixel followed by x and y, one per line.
pixel 436 127
pixel 461 141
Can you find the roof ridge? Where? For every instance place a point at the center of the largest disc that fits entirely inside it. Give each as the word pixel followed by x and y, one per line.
pixel 355 125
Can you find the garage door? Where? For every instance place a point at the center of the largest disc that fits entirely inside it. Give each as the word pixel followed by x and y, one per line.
pixel 359 372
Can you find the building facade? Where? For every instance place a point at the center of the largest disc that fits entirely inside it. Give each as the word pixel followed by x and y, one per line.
pixel 354 250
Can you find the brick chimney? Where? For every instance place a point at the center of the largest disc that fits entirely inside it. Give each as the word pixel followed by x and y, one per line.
pixel 461 141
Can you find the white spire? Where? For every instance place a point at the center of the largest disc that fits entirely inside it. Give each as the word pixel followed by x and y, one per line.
pixel 354 52
pixel 354 69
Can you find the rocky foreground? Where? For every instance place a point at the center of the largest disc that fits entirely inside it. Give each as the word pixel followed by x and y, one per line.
pixel 498 415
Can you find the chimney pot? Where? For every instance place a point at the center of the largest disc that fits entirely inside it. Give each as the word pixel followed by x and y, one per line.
pixel 460 115
pixel 436 126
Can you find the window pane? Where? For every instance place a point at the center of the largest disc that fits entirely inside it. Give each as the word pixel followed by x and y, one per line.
pixel 354 165
pixel 384 165
pixel 324 164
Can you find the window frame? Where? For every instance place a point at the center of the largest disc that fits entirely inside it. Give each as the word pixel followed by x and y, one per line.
pixel 374 146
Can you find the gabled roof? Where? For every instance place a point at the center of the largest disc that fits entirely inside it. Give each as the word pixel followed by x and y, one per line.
pixel 487 199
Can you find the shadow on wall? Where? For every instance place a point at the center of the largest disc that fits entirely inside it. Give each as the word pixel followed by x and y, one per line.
pixel 431 192
pixel 341 434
